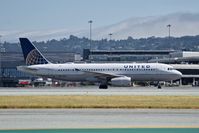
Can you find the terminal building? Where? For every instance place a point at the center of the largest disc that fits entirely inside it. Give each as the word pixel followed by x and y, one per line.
pixel 180 57
pixel 125 55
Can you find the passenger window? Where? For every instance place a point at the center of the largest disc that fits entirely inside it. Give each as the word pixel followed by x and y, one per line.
pixel 170 68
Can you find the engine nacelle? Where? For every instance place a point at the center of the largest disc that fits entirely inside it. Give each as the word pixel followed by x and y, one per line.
pixel 121 81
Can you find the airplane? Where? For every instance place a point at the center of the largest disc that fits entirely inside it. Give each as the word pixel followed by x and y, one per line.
pixel 115 74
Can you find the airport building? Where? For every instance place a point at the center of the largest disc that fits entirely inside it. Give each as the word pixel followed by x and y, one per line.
pixel 125 55
pixel 190 73
pixel 180 57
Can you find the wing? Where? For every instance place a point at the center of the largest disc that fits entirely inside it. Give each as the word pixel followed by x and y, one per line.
pixel 100 75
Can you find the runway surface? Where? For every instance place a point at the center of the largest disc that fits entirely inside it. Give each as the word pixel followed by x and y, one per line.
pixel 93 90
pixel 108 130
pixel 96 118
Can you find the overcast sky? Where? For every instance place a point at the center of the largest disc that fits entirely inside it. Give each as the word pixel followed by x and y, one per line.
pixel 74 14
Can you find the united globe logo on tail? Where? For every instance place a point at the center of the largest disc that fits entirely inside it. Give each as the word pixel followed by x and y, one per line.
pixel 31 54
pixel 34 57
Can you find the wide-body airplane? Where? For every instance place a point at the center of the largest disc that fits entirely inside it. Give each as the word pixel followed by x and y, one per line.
pixel 116 74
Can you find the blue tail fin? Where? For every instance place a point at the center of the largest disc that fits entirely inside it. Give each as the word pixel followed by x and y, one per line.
pixel 31 54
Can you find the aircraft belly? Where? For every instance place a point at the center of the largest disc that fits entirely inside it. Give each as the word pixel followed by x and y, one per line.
pixel 151 77
pixel 135 77
pixel 76 78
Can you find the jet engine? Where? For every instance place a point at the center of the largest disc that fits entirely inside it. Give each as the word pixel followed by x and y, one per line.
pixel 121 81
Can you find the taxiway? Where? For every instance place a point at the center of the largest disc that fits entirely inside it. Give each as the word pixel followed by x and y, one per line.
pixel 96 118
pixel 93 90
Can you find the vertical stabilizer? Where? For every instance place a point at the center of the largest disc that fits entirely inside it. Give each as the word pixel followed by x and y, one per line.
pixel 32 55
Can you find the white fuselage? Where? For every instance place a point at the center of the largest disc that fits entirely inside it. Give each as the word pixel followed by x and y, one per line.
pixel 91 71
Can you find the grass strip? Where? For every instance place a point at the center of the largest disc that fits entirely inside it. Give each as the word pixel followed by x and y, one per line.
pixel 88 101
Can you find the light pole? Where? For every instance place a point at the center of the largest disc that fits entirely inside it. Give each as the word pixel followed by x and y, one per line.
pixel 90 22
pixel 110 34
pixel 0 39
pixel 0 57
pixel 1 45
pixel 169 26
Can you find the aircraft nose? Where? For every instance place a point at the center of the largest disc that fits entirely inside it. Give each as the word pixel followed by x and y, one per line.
pixel 178 74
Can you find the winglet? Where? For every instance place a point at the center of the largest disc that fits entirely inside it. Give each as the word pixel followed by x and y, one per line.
pixel 31 54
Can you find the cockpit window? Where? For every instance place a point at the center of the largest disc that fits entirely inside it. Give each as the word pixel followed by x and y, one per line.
pixel 170 68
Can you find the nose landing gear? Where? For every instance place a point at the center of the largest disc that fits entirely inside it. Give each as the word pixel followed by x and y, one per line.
pixel 103 86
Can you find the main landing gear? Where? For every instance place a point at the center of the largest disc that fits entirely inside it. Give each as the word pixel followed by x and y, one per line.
pixel 103 86
pixel 159 86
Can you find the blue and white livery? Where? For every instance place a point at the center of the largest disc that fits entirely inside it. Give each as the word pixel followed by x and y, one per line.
pixel 116 74
pixel 31 54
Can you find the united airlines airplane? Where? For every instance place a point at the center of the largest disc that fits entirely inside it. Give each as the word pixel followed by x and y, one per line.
pixel 115 74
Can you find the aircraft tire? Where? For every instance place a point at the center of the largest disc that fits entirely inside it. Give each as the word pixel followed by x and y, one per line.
pixel 103 86
pixel 159 87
